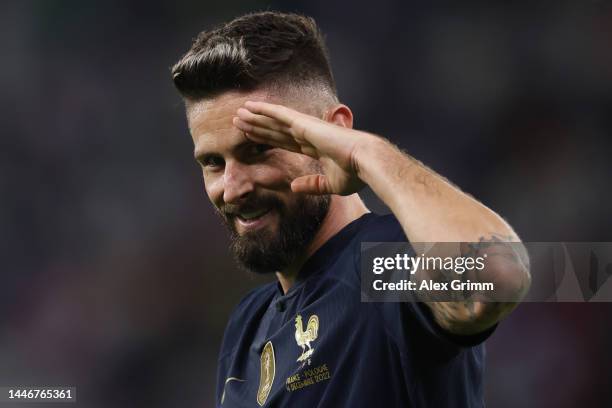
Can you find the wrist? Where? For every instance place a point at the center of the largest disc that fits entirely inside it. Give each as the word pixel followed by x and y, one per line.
pixel 367 153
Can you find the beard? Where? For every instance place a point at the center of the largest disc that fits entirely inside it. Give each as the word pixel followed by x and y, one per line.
pixel 265 251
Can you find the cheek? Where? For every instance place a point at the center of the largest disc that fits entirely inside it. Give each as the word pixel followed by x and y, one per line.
pixel 214 189
pixel 272 175
pixel 287 166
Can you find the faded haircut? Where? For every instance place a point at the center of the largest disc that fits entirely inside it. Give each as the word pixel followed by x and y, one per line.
pixel 278 51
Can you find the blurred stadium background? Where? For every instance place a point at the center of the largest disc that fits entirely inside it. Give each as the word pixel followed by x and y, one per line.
pixel 115 272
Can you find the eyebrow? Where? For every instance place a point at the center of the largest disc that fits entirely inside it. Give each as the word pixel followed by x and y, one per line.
pixel 200 154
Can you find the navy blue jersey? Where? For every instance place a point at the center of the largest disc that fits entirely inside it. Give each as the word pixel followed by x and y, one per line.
pixel 320 346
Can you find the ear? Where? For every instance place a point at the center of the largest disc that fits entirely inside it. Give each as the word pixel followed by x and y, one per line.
pixel 340 115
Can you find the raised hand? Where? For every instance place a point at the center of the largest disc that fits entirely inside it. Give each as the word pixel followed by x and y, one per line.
pixel 334 146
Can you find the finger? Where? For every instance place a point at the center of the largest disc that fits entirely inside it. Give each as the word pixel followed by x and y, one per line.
pixel 260 120
pixel 311 184
pixel 267 136
pixel 281 113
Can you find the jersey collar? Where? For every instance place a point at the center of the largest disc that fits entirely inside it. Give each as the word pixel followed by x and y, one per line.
pixel 323 256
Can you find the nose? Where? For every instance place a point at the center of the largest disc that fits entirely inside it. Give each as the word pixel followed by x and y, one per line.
pixel 237 182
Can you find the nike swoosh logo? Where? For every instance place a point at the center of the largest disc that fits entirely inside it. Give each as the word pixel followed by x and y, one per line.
pixel 224 385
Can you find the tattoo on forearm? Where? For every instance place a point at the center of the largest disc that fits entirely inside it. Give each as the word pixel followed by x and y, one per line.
pixel 505 246
pixel 470 310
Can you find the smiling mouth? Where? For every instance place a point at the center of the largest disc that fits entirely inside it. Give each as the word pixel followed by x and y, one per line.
pixel 248 216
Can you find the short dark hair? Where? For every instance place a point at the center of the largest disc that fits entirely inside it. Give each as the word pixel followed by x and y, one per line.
pixel 259 49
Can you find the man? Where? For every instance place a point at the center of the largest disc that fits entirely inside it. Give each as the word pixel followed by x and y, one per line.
pixel 282 166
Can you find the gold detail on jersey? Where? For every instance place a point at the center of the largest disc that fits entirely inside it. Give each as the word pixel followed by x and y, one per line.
pixel 305 337
pixel 308 377
pixel 266 375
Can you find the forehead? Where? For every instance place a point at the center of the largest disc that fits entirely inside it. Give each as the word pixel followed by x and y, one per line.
pixel 210 121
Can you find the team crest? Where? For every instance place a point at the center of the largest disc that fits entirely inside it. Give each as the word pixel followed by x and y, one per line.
pixel 305 337
pixel 266 375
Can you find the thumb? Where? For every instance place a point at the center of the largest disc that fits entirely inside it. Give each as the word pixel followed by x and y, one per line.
pixel 311 184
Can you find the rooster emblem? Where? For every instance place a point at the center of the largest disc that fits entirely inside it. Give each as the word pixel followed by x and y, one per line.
pixel 305 337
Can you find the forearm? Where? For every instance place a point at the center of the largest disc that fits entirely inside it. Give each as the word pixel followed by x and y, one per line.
pixel 430 209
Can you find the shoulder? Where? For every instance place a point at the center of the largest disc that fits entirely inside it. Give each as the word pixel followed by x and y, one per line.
pixel 377 229
pixel 381 228
pixel 344 252
pixel 243 314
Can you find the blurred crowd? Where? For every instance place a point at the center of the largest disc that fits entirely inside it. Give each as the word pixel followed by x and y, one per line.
pixel 116 276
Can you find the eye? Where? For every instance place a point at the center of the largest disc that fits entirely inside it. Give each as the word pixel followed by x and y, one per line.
pixel 259 148
pixel 212 161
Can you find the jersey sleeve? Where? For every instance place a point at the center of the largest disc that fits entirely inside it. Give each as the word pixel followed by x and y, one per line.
pixel 413 322
pixel 422 314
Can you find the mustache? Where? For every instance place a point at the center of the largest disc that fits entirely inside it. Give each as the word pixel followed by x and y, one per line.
pixel 254 203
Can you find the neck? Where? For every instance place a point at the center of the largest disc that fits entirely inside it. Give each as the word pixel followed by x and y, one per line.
pixel 342 211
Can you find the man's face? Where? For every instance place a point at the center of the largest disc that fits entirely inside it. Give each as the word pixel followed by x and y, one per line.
pixel 249 185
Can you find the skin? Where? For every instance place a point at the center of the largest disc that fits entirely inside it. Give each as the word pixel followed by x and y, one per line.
pixel 235 167
pixel 429 208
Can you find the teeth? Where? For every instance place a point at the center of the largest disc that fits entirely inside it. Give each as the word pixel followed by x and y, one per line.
pixel 252 214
